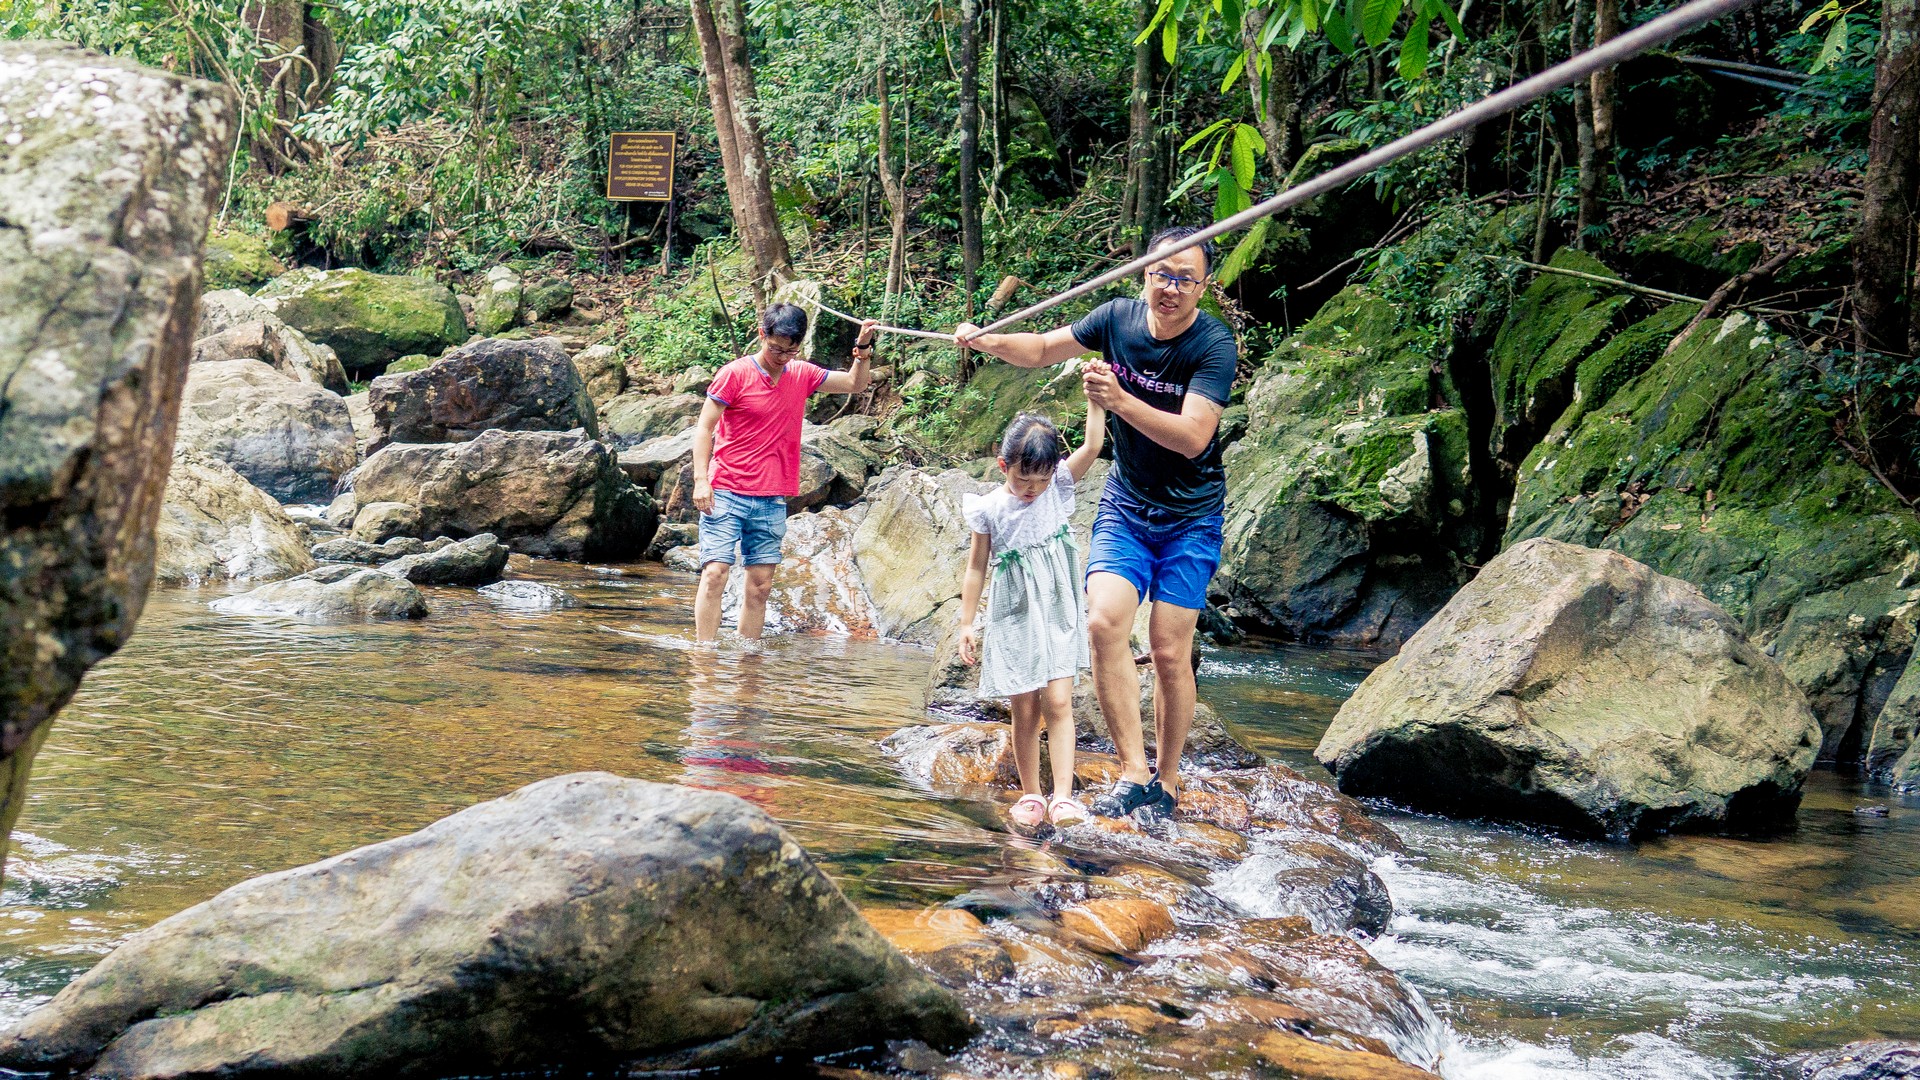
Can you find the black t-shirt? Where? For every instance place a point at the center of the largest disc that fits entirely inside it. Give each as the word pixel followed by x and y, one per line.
pixel 1201 360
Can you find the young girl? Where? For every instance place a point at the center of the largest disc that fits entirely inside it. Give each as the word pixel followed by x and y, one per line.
pixel 1036 640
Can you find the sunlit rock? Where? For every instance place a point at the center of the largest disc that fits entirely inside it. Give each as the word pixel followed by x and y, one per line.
pixel 585 921
pixel 331 593
pixel 1579 689
pixel 215 526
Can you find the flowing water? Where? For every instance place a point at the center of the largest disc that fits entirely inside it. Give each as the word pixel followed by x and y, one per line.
pixel 217 747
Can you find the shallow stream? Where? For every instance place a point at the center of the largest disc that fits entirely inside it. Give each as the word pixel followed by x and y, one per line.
pixel 215 748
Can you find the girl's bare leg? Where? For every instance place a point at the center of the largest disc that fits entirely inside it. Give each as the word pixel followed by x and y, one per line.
pixel 1026 739
pixel 1056 702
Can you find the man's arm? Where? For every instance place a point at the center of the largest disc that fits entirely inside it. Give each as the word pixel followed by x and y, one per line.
pixel 703 455
pixel 1023 350
pixel 856 378
pixel 1186 432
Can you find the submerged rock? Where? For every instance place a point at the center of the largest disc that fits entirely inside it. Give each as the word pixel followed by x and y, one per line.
pixel 492 384
pixel 1871 1060
pixel 214 526
pixel 107 181
pixel 1579 689
pixel 528 596
pixel 368 319
pixel 292 440
pixel 347 549
pixel 331 593
pixel 477 560
pixel 586 921
pixel 545 493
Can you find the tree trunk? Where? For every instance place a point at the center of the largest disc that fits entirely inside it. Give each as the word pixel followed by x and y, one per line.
pixel 1139 207
pixel 721 101
pixel 894 186
pixel 1587 182
pixel 289 84
pixel 997 100
pixel 1883 245
pixel 1276 104
pixel 970 244
pixel 750 186
pixel 1606 27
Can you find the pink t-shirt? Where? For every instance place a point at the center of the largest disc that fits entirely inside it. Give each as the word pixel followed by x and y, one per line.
pixel 756 448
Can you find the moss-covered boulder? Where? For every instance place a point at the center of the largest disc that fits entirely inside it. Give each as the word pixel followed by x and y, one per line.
pixel 1356 458
pixel 369 319
pixel 496 307
pixel 237 260
pixel 998 392
pixel 1554 325
pixel 1712 464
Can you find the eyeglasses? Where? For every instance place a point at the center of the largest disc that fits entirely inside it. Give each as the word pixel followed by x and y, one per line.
pixel 1185 286
pixel 781 350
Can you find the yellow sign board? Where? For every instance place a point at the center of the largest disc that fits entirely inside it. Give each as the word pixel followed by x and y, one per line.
pixel 640 166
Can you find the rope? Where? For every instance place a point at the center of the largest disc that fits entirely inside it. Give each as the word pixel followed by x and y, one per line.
pixel 1611 53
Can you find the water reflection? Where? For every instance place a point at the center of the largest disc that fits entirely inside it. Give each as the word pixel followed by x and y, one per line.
pixel 217 747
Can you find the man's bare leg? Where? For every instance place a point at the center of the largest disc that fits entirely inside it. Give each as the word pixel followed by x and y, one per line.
pixel 753 605
pixel 1111 603
pixel 1170 634
pixel 707 601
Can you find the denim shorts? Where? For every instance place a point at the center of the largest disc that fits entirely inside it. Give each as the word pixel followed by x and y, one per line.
pixel 753 524
pixel 1171 562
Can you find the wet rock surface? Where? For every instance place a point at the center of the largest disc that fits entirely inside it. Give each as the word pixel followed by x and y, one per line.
pixel 1216 942
pixel 527 596
pixel 108 179
pixel 215 526
pixel 1579 689
pixel 290 439
pixel 331 593
pixel 477 560
pixel 496 384
pixel 586 920
pixel 1877 1060
pixel 544 493
pixel 816 588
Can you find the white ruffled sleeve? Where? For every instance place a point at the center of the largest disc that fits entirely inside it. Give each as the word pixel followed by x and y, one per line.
pixel 977 510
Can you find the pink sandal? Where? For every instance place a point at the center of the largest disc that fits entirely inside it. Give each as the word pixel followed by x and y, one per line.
pixel 1065 812
pixel 1029 812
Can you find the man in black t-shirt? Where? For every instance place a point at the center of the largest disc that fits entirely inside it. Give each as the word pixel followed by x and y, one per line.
pixel 1164 376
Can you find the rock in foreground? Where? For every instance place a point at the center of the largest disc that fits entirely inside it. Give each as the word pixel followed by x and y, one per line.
pixel 332 593
pixel 585 920
pixel 1579 689
pixel 108 177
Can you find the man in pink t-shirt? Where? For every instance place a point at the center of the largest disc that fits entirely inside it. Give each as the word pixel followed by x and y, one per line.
pixel 746 460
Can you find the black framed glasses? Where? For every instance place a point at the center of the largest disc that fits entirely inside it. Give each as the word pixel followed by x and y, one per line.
pixel 1185 286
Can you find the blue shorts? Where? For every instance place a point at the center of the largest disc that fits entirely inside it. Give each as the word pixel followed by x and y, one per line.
pixel 1171 563
pixel 755 524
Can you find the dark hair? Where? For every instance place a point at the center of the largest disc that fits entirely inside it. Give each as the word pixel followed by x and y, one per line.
pixel 784 320
pixel 1032 445
pixel 1176 233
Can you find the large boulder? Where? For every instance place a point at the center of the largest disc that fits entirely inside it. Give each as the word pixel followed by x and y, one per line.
pixel 912 552
pixel 834 462
pixel 215 526
pixel 586 921
pixel 234 325
pixel 546 493
pixel 816 587
pixel 367 318
pixel 332 593
pixel 634 418
pixel 108 177
pixel 238 260
pixel 292 440
pixel 1579 689
pixel 495 384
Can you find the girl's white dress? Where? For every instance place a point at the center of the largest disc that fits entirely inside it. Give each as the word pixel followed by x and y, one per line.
pixel 1036 601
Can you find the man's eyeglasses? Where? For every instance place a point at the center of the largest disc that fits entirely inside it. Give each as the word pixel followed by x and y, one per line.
pixel 781 350
pixel 1185 286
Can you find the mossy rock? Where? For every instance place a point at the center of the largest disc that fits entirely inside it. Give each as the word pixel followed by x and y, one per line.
pixel 409 363
pixel 369 319
pixel 1553 326
pixel 1343 462
pixel 1695 256
pixel 998 392
pixel 237 260
pixel 1790 515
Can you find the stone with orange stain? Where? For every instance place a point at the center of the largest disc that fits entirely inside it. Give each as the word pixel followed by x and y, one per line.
pixel 1117 924
pixel 959 755
pixel 1216 803
pixel 1095 771
pixel 950 943
pixel 1138 1019
pixel 1149 881
pixel 1308 1060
